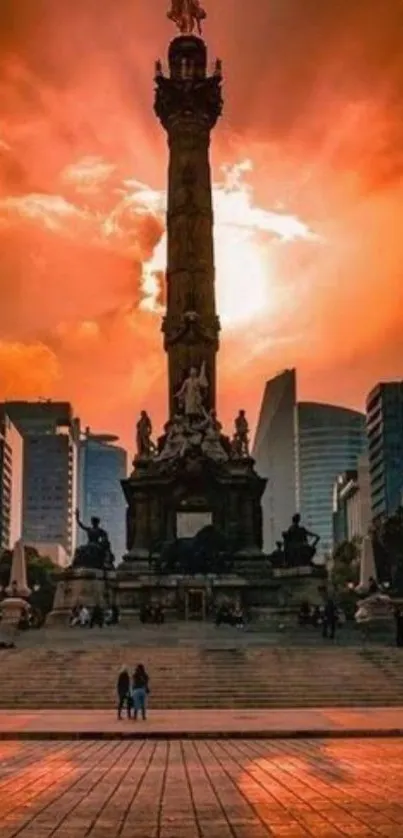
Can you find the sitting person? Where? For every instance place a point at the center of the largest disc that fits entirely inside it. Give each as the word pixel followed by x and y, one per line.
pixel 84 616
pixel 158 614
pixel 223 614
pixel 97 617
pixel 145 614
pixel 316 617
pixel 74 616
pixel 304 614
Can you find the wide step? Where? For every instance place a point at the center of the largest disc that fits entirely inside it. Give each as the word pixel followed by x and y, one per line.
pixel 197 678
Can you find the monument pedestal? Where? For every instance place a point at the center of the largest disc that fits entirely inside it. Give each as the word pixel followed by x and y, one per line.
pixel 12 609
pixel 179 499
pixel 78 587
pixel 183 597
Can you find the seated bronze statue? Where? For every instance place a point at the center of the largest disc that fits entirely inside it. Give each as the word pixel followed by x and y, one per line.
pixel 97 553
pixel 299 544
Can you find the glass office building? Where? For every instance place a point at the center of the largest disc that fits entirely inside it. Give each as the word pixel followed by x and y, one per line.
pixel 330 441
pixel 302 447
pixel 102 466
pixel 385 444
pixel 50 434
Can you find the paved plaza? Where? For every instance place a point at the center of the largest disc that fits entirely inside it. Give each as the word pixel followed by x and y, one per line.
pixel 190 789
pixel 178 724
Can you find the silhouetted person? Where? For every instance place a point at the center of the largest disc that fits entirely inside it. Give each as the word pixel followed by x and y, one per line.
pixel 316 616
pixel 372 586
pixel 329 618
pixel 140 690
pixel 97 617
pixel 123 691
pixel 399 626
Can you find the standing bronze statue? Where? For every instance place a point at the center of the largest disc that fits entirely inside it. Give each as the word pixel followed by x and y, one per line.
pixel 188 15
pixel 240 442
pixel 144 444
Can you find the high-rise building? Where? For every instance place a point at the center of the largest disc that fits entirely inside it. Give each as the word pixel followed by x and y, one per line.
pixel 352 503
pixel 330 441
pixel 301 447
pixel 385 442
pixel 275 453
pixel 102 466
pixel 51 438
pixel 11 481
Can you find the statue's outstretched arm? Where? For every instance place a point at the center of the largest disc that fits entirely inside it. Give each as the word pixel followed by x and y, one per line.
pixel 80 523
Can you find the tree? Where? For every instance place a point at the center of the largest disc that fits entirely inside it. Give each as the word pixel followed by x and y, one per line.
pixel 388 549
pixel 345 574
pixel 346 564
pixel 42 577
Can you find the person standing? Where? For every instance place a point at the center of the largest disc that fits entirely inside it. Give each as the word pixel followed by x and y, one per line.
pixel 140 691
pixel 329 618
pixel 399 626
pixel 123 691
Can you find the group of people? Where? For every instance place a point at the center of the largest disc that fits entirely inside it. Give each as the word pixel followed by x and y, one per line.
pixel 230 614
pixel 96 616
pixel 133 692
pixel 152 614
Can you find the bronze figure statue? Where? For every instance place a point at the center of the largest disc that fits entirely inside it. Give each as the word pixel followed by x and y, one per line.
pixel 299 544
pixel 188 15
pixel 96 554
pixel 145 446
pixel 240 442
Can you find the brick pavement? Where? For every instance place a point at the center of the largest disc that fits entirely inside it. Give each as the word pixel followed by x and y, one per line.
pixel 211 789
pixel 177 724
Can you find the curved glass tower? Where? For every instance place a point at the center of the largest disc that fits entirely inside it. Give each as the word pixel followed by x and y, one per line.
pixel 330 441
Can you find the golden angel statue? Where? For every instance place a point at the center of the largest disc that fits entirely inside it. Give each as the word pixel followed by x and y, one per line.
pixel 187 14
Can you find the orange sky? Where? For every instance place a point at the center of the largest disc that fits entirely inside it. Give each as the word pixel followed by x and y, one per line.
pixel 313 100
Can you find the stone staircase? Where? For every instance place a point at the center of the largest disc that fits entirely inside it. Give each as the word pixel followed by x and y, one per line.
pixel 193 677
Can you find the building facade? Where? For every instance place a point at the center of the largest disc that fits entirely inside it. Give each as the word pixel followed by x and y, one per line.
pixel 50 471
pixel 384 408
pixel 301 447
pixel 102 466
pixel 11 482
pixel 352 503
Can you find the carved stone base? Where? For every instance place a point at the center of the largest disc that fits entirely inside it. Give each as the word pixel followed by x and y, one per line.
pixel 12 609
pixel 169 501
pixel 76 588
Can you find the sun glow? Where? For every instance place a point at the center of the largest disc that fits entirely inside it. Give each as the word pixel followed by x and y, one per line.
pixel 243 235
pixel 115 213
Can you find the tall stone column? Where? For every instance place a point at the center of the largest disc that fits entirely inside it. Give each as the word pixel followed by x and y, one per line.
pixel 188 103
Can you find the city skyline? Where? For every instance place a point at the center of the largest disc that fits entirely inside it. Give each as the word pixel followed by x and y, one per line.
pixel 307 176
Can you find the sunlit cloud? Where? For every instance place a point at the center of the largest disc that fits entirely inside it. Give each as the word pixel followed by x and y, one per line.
pixel 307 168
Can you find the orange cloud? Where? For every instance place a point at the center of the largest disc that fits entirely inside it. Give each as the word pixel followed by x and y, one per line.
pixel 27 371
